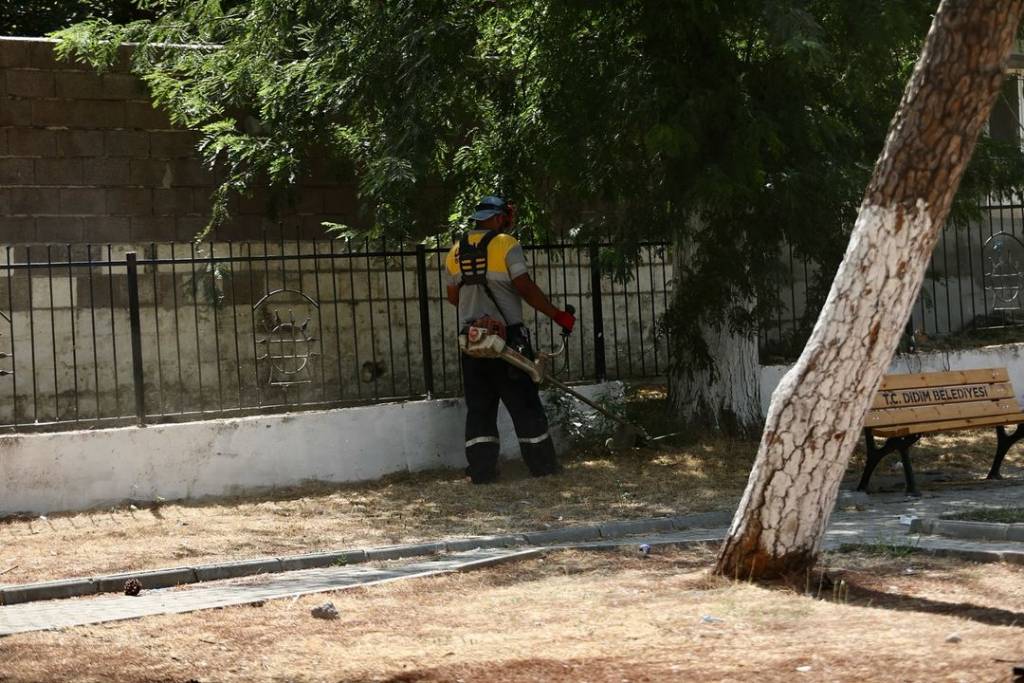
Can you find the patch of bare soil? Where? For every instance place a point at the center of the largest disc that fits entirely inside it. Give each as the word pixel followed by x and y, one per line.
pixel 576 617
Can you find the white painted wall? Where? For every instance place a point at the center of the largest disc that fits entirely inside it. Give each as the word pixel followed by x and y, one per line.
pixel 1010 356
pixel 85 469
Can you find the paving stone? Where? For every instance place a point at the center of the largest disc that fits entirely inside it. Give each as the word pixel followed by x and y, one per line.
pixel 160 578
pixel 630 527
pixel 852 498
pixel 325 559
pixel 214 572
pixel 397 552
pixel 460 544
pixel 50 590
pixel 566 535
pixel 703 520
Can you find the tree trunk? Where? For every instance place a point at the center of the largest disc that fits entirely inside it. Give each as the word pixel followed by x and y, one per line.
pixel 726 396
pixel 818 409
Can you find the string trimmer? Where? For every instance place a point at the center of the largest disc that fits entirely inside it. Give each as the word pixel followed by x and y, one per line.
pixel 487 342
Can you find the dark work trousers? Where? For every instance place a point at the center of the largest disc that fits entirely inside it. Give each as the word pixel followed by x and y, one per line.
pixel 486 381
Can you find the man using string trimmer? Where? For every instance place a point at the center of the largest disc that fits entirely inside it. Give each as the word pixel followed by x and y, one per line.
pixel 487 283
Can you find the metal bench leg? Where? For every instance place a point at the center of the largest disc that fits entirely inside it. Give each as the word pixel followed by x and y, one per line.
pixel 871 459
pixel 1004 442
pixel 908 470
pixel 875 455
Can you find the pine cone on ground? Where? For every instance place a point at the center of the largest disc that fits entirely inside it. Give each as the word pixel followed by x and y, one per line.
pixel 132 587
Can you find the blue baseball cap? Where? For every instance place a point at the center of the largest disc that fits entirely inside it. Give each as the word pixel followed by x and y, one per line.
pixel 488 207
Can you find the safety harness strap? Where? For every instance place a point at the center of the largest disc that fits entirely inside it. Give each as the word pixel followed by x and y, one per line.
pixel 473 266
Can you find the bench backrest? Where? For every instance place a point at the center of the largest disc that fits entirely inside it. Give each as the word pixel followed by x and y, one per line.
pixel 942 400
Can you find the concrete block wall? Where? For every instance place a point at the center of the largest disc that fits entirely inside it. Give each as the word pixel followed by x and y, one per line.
pixel 85 157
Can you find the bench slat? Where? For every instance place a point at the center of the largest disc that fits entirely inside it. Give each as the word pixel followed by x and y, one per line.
pixel 938 379
pixel 942 412
pixel 950 425
pixel 943 394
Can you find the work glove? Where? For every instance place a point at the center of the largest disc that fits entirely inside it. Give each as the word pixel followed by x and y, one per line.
pixel 566 321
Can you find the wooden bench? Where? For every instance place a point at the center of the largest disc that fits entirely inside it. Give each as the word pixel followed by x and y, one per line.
pixel 909 406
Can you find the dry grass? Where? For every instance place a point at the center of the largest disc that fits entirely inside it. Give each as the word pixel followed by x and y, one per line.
pixel 702 475
pixel 574 617
pixel 396 509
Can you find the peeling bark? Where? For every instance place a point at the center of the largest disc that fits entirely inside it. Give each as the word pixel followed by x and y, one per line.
pixel 818 409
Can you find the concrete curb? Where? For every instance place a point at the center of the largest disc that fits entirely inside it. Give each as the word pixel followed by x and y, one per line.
pixel 177 576
pixel 610 535
pixel 974 531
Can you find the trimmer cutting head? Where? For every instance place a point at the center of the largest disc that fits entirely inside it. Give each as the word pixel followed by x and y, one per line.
pixel 626 436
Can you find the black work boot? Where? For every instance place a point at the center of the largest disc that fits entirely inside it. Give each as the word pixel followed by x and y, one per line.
pixel 542 461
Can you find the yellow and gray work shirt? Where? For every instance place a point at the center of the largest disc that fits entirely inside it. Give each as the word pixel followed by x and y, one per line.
pixel 505 262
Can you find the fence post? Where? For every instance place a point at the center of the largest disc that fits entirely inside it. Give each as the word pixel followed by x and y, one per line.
pixel 597 312
pixel 136 328
pixel 421 286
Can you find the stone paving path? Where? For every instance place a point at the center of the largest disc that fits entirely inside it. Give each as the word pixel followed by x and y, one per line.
pixel 56 614
pixel 860 520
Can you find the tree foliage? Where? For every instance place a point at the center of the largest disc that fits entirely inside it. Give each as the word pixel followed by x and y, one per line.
pixel 619 118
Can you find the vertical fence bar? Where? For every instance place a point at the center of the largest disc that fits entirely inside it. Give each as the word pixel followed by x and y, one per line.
pixel 369 309
pixel 92 317
pixel 216 296
pixel 177 330
pixel 654 309
pixel 565 296
pixel 252 318
pixel 581 315
pixel 441 269
pixel 597 311
pixel 113 331
pixel 156 329
pixel 32 332
pixel 387 307
pixel 355 320
pixel 234 319
pixel 201 397
pixel 405 317
pixel 319 322
pixel 74 332
pixel 136 328
pixel 615 327
pixel 421 283
pixel 640 316
pixel 959 273
pixel 337 322
pixel 14 357
pixel 53 334
pixel 666 254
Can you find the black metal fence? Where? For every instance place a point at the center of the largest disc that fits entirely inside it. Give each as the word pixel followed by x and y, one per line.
pixel 106 335
pixel 974 282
